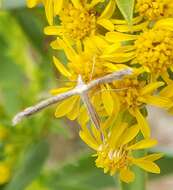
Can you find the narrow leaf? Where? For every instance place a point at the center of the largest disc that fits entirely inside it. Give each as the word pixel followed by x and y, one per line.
pixel 126 7
pixel 30 166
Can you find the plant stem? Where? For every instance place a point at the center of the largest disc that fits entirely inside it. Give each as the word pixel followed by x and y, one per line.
pixel 139 182
pixel 125 186
pixel 140 175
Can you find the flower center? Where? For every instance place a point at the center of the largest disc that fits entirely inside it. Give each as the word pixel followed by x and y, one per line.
pixel 154 49
pixel 112 160
pixel 129 94
pixel 154 9
pixel 88 66
pixel 77 23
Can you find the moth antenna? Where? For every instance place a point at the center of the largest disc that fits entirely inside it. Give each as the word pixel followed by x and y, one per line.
pixel 93 67
pixel 111 90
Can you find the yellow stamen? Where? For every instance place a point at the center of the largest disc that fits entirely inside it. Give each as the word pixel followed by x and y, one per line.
pixel 154 49
pixel 155 9
pixel 78 23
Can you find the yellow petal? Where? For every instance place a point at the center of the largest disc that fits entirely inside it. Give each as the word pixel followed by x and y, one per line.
pixel 109 122
pixel 140 70
pixel 107 99
pixel 143 144
pixel 116 134
pixel 151 87
pixel 119 57
pixel 83 117
pixel 109 10
pixel 96 100
pixel 126 175
pixel 74 113
pixel 158 101
pixel 166 23
pixel 79 46
pixel 94 2
pixel 111 48
pixel 77 4
pixel 135 20
pixel 167 91
pixel 58 5
pixel 118 37
pixel 142 123
pixel 89 45
pixel 66 106
pixel 127 48
pixel 96 133
pixel 65 45
pixel 99 42
pixel 32 3
pixel 61 68
pixel 60 90
pixel 55 45
pixel 129 134
pixel 89 140
pixel 118 21
pixel 105 23
pixel 49 11
pixel 149 166
pixel 127 28
pixel 52 30
pixel 117 105
pixel 115 67
pixel 153 157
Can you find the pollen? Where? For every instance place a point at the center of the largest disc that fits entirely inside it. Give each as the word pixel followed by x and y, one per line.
pixel 129 93
pixel 112 160
pixel 154 9
pixel 77 23
pixel 154 49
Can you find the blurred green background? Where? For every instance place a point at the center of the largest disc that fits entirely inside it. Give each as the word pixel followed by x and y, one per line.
pixel 42 153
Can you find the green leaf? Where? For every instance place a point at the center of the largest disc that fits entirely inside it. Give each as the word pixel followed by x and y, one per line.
pixel 79 174
pixel 124 186
pixel 126 7
pixel 35 18
pixel 30 166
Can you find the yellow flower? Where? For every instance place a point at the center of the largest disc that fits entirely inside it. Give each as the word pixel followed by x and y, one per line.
pixel 90 63
pixel 5 173
pixel 152 48
pixel 96 61
pixel 154 9
pixel 135 94
pixel 114 152
pixel 79 19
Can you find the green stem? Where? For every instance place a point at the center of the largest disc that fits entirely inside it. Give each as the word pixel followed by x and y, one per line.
pixel 139 182
pixel 140 176
pixel 124 186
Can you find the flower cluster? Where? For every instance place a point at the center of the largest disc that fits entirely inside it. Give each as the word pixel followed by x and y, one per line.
pixel 97 42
